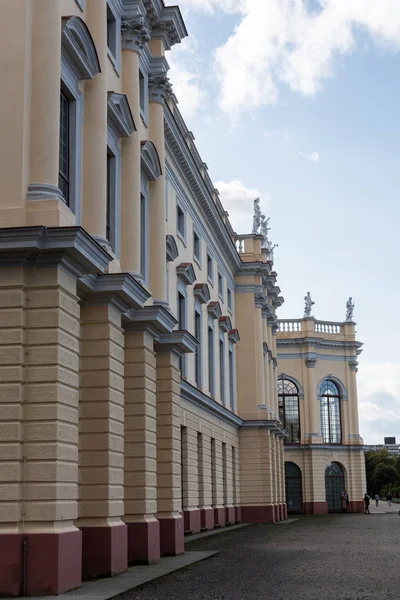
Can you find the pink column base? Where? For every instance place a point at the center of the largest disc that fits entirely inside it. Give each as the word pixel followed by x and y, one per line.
pixel 53 562
pixel 229 515
pixel 315 508
pixel 284 511
pixel 144 542
pixel 277 513
pixel 172 540
pixel 356 506
pixel 219 517
pixel 207 518
pixel 238 514
pixel 192 520
pixel 104 550
pixel 258 514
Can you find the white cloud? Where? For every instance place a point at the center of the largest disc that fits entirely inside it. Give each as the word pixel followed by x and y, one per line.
pixel 311 156
pixel 238 200
pixel 185 77
pixel 282 41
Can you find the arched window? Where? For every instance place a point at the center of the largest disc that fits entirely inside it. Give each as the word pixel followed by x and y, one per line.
pixel 330 412
pixel 289 414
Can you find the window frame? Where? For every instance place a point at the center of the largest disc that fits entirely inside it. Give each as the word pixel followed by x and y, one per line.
pixel 229 299
pixel 231 367
pixel 196 256
pixel 143 93
pixel 222 365
pixel 211 357
pixel 114 53
pixel 337 398
pixel 198 358
pixel 182 322
pixel 144 229
pixel 69 86
pixel 282 410
pixel 210 261
pixel 180 215
pixel 81 4
pixel 220 279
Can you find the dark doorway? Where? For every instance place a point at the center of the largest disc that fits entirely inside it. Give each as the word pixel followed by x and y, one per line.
pixel 334 485
pixel 294 491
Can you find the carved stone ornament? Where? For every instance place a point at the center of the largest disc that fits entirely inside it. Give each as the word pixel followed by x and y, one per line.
pixel 349 309
pixel 353 365
pixel 256 216
pixel 308 304
pixel 135 34
pixel 310 362
pixel 160 88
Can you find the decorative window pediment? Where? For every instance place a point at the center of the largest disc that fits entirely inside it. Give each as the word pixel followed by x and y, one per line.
pixel 172 248
pixel 186 274
pixel 79 47
pixel 214 310
pixel 150 160
pixel 225 323
pixel 119 114
pixel 233 336
pixel 202 292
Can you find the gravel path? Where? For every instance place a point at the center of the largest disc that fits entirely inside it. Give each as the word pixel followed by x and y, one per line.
pixel 343 557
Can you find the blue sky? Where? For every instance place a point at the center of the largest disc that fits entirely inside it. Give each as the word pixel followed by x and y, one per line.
pixel 297 102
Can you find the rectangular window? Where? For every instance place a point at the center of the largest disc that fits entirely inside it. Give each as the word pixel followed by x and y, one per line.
pixel 225 473
pixel 180 222
pixel 231 380
pixel 234 477
pixel 220 286
pixel 197 335
pixel 112 33
pixel 210 274
pixel 142 90
pixel 64 148
pixel 230 299
pixel 211 377
pixel 182 325
pixel 111 200
pixel 184 468
pixel 213 473
pixel 222 370
pixel 200 474
pixel 143 236
pixel 196 247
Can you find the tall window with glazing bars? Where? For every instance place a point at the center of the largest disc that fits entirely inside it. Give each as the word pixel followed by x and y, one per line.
pixel 329 395
pixel 289 414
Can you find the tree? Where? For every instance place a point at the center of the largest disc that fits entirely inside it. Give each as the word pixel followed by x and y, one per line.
pixel 373 459
pixel 383 475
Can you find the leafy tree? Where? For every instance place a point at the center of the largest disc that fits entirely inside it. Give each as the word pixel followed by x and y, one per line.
pixel 383 475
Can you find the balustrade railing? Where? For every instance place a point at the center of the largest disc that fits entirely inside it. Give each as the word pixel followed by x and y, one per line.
pixel 288 325
pixel 328 327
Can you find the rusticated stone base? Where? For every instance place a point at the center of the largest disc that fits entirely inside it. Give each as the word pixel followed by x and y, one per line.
pixel 315 508
pixel 53 562
pixel 219 517
pixel 277 513
pixel 207 518
pixel 258 514
pixel 144 542
pixel 172 540
pixel 11 564
pixel 284 511
pixel 238 514
pixel 230 515
pixel 356 506
pixel 104 550
pixel 192 520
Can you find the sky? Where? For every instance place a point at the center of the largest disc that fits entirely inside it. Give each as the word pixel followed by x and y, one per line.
pixel 297 102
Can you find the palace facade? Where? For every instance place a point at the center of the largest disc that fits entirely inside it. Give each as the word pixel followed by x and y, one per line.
pixel 140 350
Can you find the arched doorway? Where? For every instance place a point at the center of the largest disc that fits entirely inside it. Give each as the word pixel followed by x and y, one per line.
pixel 334 485
pixel 294 491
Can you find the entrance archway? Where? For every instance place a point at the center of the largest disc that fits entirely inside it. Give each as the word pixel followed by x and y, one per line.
pixel 334 485
pixel 294 488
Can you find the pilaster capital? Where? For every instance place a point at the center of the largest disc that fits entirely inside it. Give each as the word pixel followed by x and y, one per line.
pixel 310 362
pixel 135 34
pixel 353 365
pixel 160 87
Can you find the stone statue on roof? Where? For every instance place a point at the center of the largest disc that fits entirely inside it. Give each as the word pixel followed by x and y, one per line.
pixel 308 305
pixel 256 216
pixel 265 243
pixel 349 309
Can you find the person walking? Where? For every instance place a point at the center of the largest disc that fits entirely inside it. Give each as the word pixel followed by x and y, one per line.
pixel 389 499
pixel 346 497
pixel 366 504
pixel 376 499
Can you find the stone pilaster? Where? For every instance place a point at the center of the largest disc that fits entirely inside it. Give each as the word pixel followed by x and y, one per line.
pixel 191 510
pixel 101 441
pixel 205 483
pixel 228 484
pixel 217 482
pixel 169 453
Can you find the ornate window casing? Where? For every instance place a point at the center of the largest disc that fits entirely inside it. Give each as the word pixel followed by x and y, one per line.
pixel 230 299
pixel 114 12
pixel 220 286
pixel 171 248
pixel 232 381
pixel 198 334
pixel 211 357
pixel 196 246
pixel 150 161
pixel 210 269
pixel 201 293
pixel 222 382
pixel 289 411
pixel 78 61
pixel 144 228
pixel 331 428
pixel 182 320
pixel 81 4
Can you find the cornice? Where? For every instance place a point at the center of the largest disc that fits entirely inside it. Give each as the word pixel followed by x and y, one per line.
pixel 198 398
pixel 186 273
pixel 318 343
pixel 150 160
pixel 325 447
pixel 225 323
pixel 119 114
pixel 179 341
pixel 156 319
pixel 201 292
pixel 120 289
pixel 178 149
